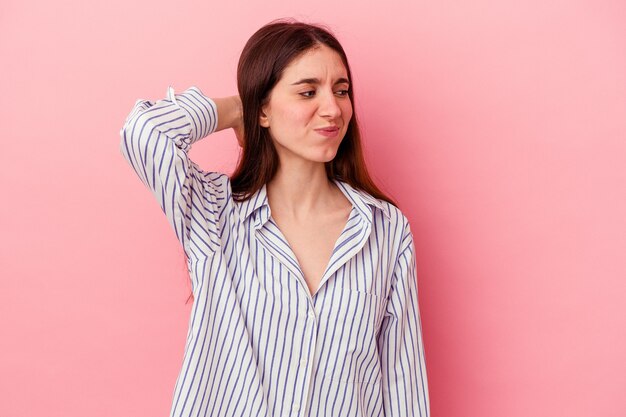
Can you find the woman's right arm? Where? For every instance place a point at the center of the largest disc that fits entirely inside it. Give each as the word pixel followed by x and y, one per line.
pixel 155 140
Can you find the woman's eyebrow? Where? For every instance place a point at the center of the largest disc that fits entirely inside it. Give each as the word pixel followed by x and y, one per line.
pixel 317 81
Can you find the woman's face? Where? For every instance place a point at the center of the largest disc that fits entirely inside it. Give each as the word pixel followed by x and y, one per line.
pixel 311 95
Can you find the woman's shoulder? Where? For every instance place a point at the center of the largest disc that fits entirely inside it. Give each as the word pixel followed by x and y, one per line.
pixel 215 185
pixel 216 178
pixel 393 211
pixel 396 217
pixel 383 211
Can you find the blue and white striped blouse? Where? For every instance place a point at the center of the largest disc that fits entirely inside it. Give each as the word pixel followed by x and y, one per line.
pixel 259 344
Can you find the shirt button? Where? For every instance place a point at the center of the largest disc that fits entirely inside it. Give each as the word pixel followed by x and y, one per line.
pixel 296 407
pixel 311 314
pixel 302 361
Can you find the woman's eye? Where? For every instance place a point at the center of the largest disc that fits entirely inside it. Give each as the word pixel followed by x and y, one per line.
pixel 311 93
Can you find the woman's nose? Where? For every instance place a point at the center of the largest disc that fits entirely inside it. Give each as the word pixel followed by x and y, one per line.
pixel 329 106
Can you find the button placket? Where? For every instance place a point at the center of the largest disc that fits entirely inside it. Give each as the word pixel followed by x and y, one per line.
pixel 310 320
pixel 306 362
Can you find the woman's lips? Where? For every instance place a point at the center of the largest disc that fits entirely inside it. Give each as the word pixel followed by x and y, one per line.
pixel 329 132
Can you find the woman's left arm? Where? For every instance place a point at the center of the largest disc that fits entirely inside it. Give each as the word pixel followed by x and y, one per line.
pixel 400 345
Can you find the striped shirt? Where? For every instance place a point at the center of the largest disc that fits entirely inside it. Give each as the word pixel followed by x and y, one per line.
pixel 259 343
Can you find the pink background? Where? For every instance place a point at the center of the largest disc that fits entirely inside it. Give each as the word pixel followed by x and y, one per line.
pixel 500 127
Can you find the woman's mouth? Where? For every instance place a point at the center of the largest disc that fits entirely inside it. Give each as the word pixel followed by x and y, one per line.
pixel 328 132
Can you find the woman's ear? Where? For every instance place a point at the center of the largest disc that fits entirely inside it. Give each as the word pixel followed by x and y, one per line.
pixel 263 119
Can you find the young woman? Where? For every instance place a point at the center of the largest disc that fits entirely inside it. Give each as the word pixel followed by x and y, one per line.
pixel 303 272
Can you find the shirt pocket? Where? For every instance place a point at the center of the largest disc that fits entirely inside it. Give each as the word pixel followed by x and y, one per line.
pixel 348 349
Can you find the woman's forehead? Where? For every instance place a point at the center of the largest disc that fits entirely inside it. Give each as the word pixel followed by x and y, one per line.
pixel 318 63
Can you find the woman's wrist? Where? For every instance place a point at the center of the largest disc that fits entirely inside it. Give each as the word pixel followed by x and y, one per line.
pixel 238 112
pixel 229 112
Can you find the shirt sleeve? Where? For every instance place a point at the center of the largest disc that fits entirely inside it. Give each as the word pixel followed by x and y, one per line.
pixel 401 349
pixel 155 139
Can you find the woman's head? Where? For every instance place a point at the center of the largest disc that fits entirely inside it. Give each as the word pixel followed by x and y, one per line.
pixel 282 114
pixel 308 110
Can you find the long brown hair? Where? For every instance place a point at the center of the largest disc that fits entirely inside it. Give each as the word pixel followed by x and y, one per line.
pixel 261 65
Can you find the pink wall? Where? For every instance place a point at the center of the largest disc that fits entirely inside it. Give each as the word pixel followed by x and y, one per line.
pixel 499 126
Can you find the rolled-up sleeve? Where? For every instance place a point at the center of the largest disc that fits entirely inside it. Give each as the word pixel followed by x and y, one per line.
pixel 155 140
pixel 401 348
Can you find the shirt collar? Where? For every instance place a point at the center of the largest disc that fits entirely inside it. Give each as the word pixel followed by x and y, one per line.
pixel 361 200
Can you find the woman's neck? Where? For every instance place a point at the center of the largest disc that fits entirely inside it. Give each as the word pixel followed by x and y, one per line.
pixel 302 193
